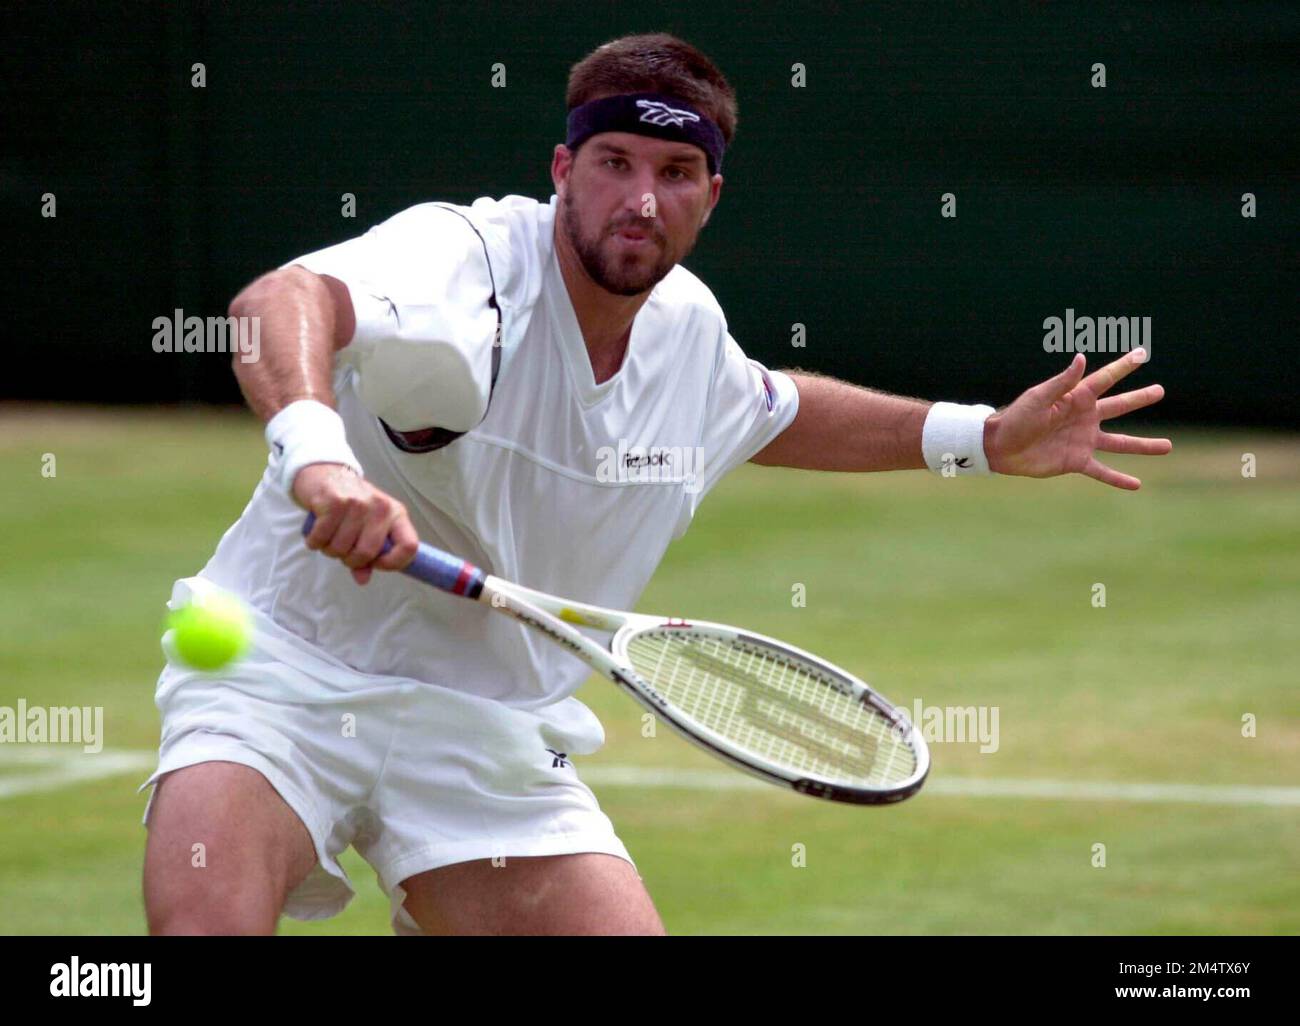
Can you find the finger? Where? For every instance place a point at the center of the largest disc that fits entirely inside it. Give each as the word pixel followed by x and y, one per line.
pixel 1098 471
pixel 405 543
pixel 1133 445
pixel 1101 381
pixel 328 519
pixel 1053 388
pixel 362 576
pixel 348 531
pixel 1127 402
pixel 370 542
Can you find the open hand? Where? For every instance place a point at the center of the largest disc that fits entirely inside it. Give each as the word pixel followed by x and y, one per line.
pixel 1055 428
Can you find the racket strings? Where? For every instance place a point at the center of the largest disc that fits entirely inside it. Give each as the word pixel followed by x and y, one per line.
pixel 772 704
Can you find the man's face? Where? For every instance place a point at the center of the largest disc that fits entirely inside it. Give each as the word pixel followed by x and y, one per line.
pixel 632 207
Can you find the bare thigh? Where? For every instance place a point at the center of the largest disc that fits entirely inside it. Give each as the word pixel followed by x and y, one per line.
pixel 587 893
pixel 224 851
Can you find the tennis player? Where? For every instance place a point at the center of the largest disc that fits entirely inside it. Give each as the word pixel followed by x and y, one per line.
pixel 544 390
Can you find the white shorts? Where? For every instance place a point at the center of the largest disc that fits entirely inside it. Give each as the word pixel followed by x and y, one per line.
pixel 414 776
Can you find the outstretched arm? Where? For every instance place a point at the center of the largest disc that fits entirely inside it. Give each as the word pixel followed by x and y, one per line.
pixel 1053 428
pixel 841 426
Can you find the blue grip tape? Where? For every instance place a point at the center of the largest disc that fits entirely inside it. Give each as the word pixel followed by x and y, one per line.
pixel 433 566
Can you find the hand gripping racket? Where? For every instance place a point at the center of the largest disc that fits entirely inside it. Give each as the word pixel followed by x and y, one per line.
pixel 766 707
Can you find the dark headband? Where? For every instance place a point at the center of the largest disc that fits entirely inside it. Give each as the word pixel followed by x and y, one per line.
pixel 654 114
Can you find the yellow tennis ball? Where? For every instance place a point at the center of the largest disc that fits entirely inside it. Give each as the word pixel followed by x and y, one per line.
pixel 210 631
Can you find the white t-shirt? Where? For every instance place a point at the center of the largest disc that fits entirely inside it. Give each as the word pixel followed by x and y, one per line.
pixel 564 485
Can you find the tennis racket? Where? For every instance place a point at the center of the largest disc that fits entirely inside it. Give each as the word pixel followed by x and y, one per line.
pixel 766 707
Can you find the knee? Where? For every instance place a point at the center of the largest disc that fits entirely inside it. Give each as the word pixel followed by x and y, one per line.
pixel 219 921
pixel 196 910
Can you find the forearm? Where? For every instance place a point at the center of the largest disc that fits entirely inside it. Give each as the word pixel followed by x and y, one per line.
pixel 305 318
pixel 300 331
pixel 845 427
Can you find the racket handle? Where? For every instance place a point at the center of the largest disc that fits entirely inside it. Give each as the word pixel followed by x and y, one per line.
pixel 433 566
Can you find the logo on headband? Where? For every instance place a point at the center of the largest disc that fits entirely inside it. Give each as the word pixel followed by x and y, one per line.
pixel 659 113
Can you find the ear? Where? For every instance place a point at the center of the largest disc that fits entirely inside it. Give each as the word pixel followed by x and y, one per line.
pixel 561 165
pixel 715 194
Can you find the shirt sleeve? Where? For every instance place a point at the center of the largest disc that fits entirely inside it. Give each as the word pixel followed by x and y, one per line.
pixel 748 406
pixel 420 284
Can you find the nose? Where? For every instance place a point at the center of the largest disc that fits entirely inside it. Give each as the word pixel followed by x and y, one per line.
pixel 640 201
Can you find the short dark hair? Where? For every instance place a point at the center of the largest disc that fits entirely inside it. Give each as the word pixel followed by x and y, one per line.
pixel 654 63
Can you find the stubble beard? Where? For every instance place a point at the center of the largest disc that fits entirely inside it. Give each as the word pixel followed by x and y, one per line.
pixel 621 275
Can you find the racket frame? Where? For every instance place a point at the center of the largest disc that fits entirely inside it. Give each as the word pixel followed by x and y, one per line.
pixel 558 617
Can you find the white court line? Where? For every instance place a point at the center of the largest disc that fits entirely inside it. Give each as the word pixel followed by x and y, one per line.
pixel 55 768
pixel 49 767
pixel 965 787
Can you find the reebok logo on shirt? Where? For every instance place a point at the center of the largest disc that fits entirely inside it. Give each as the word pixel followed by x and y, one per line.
pixel 659 458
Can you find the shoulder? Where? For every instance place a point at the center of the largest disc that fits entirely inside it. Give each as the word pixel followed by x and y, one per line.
pixel 516 234
pixel 517 218
pixel 442 225
pixel 511 224
pixel 684 294
pixel 515 225
pixel 692 312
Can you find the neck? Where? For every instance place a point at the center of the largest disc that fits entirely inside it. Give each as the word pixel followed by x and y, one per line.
pixel 604 318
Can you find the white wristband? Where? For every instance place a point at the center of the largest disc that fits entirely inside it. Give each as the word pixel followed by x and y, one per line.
pixel 306 432
pixel 952 440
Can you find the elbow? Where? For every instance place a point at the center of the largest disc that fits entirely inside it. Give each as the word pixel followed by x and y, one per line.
pixel 274 290
pixel 274 287
pixel 249 303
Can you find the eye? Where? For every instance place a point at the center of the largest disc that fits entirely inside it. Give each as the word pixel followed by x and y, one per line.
pixel 677 174
pixel 613 160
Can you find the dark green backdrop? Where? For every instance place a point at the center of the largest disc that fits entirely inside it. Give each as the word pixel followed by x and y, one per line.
pixel 1116 202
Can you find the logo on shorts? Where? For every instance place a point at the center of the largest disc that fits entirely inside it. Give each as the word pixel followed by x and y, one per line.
pixel 561 759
